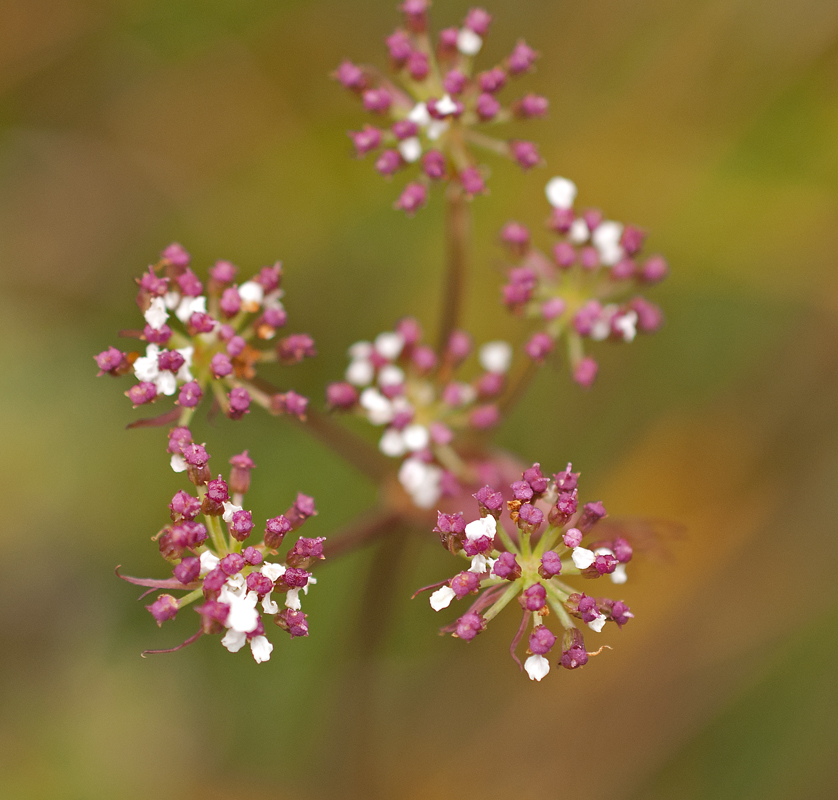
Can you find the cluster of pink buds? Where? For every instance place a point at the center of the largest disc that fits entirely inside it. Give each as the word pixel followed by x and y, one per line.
pixel 525 547
pixel 215 562
pixel 208 338
pixel 436 108
pixel 403 385
pixel 581 291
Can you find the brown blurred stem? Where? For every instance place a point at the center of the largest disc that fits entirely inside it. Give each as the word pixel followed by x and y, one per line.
pixel 517 388
pixel 457 232
pixel 361 531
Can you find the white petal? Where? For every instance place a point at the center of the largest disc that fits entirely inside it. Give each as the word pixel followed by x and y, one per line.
pixel 390 375
pixel 411 149
pixel 537 667
pixel 446 105
pixel 156 314
pixel 600 329
pixel 389 344
pixel 560 192
pixel 146 368
pixel 597 624
pixel 579 231
pixel 360 350
pixel 607 234
pixel 627 325
pixel 272 571
pixel 189 306
pixel 392 443
pixel 229 510
pixel 435 129
pixel 619 575
pixel 496 356
pixel 582 557
pixel 269 606
pixel 252 293
pixel 209 561
pixel 184 375
pixel 360 372
pixel 468 42
pixel 416 437
pixel 171 300
pixel 178 463
pixel 261 648
pixel 234 640
pixel 485 526
pixel 243 615
pixel 379 408
pixel 479 564
pixel 166 383
pixel 442 598
pixel 420 115
pixel 292 599
pixel 235 583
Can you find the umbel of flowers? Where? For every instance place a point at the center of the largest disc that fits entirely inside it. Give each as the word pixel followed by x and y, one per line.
pixel 436 108
pixel 584 288
pixel 525 549
pixel 208 338
pixel 233 579
pixel 419 399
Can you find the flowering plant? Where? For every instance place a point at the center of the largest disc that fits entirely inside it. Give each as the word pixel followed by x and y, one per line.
pixel 435 407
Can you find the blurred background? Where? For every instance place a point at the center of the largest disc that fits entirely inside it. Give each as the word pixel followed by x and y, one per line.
pixel 127 124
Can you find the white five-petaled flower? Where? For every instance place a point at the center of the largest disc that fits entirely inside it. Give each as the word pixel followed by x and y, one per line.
pixel 537 667
pixel 560 192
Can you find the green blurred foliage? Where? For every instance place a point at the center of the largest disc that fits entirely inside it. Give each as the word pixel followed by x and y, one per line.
pixel 127 124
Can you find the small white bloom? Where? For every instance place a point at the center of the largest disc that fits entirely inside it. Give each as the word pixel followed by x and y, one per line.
pixel 292 599
pixel 269 606
pixel 379 409
pixel 272 571
pixel 597 624
pixel 421 481
pixel 410 149
pixel 189 306
pixel 579 231
pixel 360 350
pixel 243 616
pixel 234 640
pixel 601 327
pixel 468 42
pixel 171 299
pixel 496 356
pixel 156 314
pixel 184 375
pixel 146 367
pixel 446 105
pixel 252 293
pixel 485 526
pixel 560 192
pixel 166 383
pixel 261 648
pixel 442 598
pixel 178 463
pixel 209 561
pixel 391 375
pixel 582 557
pixel 392 443
pixel 415 437
pixel 626 324
pixel 479 564
pixel 619 574
pixel 360 372
pixel 537 667
pixel 420 115
pixel 606 239
pixel 435 129
pixel 229 510
pixel 389 344
pixel 235 584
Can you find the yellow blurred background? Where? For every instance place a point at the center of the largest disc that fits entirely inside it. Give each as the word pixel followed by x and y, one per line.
pixel 127 124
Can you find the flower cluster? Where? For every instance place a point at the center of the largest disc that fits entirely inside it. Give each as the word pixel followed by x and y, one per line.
pixel 403 385
pixel 524 547
pixel 208 337
pixel 214 562
pixel 580 290
pixel 436 108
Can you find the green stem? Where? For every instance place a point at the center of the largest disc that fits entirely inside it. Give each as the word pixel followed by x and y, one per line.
pixel 194 595
pixel 495 609
pixel 457 232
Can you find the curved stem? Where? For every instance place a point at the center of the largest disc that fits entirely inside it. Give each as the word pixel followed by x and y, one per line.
pixel 361 532
pixel 457 231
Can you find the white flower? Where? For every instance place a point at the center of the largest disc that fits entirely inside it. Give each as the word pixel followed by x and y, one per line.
pixel 189 306
pixel 421 481
pixel 184 375
pixel 360 350
pixel 619 574
pixel 252 293
pixel 496 356
pixel 269 606
pixel 606 239
pixel 420 115
pixel 582 557
pixel 436 128
pixel 479 564
pixel 379 409
pixel 178 463
pixel 579 231
pixel 391 375
pixel 442 598
pixel 234 640
pixel 243 616
pixel 597 624
pixel 601 326
pixel 389 344
pixel 229 510
pixel 415 437
pixel 171 299
pixel 537 667
pixel 360 372
pixel 272 571
pixel 392 443
pixel 156 314
pixel 261 648
pixel 446 105
pixel 292 599
pixel 560 192
pixel 410 149
pixel 627 325
pixel 209 561
pixel 468 42
pixel 485 526
pixel 146 367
